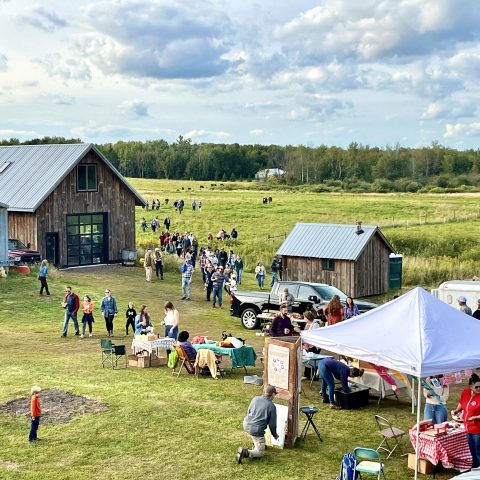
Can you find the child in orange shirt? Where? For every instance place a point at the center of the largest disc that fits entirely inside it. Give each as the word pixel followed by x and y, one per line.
pixel 35 413
pixel 87 308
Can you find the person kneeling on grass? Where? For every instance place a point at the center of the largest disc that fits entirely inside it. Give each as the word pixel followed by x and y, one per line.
pixel 328 370
pixel 260 415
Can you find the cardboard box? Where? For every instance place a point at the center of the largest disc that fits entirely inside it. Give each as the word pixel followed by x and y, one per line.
pixel 424 466
pixel 132 360
pixel 143 361
pixel 158 361
pixel 152 336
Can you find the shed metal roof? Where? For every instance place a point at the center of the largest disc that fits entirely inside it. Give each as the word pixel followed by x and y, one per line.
pixel 36 170
pixel 321 240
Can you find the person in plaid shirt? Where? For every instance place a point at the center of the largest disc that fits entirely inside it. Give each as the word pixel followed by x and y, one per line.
pixel 187 272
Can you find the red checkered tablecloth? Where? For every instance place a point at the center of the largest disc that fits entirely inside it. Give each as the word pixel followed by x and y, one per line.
pixel 450 449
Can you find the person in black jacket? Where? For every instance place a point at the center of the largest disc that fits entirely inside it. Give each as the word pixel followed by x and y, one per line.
pixel 476 313
pixel 130 314
pixel 208 281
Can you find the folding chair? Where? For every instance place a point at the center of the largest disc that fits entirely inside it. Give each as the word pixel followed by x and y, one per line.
pixel 185 362
pixel 111 353
pixel 207 358
pixel 368 461
pixel 389 434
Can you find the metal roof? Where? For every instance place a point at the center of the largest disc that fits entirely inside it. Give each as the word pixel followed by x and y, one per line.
pixel 36 170
pixel 322 240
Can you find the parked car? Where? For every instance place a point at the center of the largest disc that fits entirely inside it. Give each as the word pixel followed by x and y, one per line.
pixel 22 253
pixel 247 305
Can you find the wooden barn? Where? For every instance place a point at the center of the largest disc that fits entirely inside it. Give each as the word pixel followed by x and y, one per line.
pixel 69 202
pixel 3 234
pixel 353 258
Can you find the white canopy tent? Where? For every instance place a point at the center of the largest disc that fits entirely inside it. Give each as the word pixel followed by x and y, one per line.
pixel 416 334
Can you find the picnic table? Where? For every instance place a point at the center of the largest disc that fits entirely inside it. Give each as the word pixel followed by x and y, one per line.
pixel 240 357
pixel 150 345
pixel 451 449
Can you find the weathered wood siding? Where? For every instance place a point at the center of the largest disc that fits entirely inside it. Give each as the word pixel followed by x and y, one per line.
pixel 367 276
pixel 112 197
pixel 23 227
pixel 310 270
pixel 372 268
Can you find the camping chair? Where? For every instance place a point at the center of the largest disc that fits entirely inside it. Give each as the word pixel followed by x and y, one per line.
pixel 185 361
pixel 206 357
pixel 111 353
pixel 368 461
pixel 391 435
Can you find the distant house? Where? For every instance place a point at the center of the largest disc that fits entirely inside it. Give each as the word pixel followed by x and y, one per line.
pixel 69 202
pixel 3 234
pixel 353 258
pixel 269 172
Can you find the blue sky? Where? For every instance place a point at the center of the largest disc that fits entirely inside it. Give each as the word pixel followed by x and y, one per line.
pixel 269 71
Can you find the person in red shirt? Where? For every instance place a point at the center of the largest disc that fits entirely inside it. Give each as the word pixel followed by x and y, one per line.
pixel 470 405
pixel 71 304
pixel 35 413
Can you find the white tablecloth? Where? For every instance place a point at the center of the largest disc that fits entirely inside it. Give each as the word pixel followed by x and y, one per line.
pixel 373 380
pixel 149 345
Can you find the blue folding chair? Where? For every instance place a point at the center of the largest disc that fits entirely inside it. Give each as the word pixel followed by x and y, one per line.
pixel 368 462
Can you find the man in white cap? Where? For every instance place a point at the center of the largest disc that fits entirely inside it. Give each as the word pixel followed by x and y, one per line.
pixel 462 301
pixel 261 415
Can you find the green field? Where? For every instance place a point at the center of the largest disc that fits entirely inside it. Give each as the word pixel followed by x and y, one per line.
pixel 158 426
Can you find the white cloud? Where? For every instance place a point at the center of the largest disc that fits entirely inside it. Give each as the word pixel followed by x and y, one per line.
pixel 449 109
pixel 3 63
pixel 206 135
pixel 11 133
pixel 256 132
pixel 95 130
pixel 42 18
pixel 66 68
pixel 137 108
pixel 158 39
pixel 462 129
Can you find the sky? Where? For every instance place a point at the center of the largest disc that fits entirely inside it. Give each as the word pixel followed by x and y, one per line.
pixel 375 72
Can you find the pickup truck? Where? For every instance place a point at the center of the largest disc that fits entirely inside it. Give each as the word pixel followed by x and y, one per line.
pixel 22 253
pixel 247 305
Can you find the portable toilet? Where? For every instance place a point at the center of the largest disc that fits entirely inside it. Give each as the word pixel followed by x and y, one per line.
pixel 395 271
pixel 3 235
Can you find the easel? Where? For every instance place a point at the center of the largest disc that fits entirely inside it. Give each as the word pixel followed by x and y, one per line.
pixel 282 369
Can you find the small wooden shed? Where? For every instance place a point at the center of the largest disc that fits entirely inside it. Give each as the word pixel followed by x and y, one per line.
pixel 353 258
pixel 69 202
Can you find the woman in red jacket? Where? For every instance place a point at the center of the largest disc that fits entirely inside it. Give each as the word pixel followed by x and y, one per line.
pixel 470 405
pixel 334 311
pixel 35 413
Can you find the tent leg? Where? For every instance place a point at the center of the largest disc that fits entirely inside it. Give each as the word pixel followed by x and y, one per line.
pixel 418 425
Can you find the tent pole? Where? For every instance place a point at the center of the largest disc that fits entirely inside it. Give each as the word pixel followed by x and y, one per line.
pixel 418 427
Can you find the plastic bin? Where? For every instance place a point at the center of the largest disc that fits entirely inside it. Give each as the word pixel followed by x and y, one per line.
pixel 358 397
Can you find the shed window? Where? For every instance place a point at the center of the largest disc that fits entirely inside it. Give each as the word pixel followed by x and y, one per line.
pixel 328 264
pixel 87 178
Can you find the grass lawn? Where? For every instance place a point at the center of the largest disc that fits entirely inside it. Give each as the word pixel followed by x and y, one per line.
pixel 156 426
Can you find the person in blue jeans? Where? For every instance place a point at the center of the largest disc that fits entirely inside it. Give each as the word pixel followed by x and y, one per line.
pixel 328 370
pixel 436 396
pixel 239 269
pixel 218 281
pixel 71 304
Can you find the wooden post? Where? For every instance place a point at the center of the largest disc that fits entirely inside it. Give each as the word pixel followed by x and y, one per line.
pixel 282 369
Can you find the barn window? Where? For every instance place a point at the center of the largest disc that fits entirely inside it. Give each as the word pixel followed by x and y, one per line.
pixel 87 177
pixel 328 264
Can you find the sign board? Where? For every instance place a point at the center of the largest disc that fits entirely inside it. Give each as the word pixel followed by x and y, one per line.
pixel 282 370
pixel 282 420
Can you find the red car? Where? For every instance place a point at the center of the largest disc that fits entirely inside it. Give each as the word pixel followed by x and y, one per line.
pixel 22 253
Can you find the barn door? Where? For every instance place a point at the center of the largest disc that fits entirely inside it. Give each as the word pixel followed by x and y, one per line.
pixel 87 239
pixel 52 252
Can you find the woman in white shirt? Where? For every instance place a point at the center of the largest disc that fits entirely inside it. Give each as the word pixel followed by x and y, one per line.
pixel 436 396
pixel 171 320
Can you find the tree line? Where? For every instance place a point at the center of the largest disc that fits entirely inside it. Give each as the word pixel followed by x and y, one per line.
pixel 357 168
